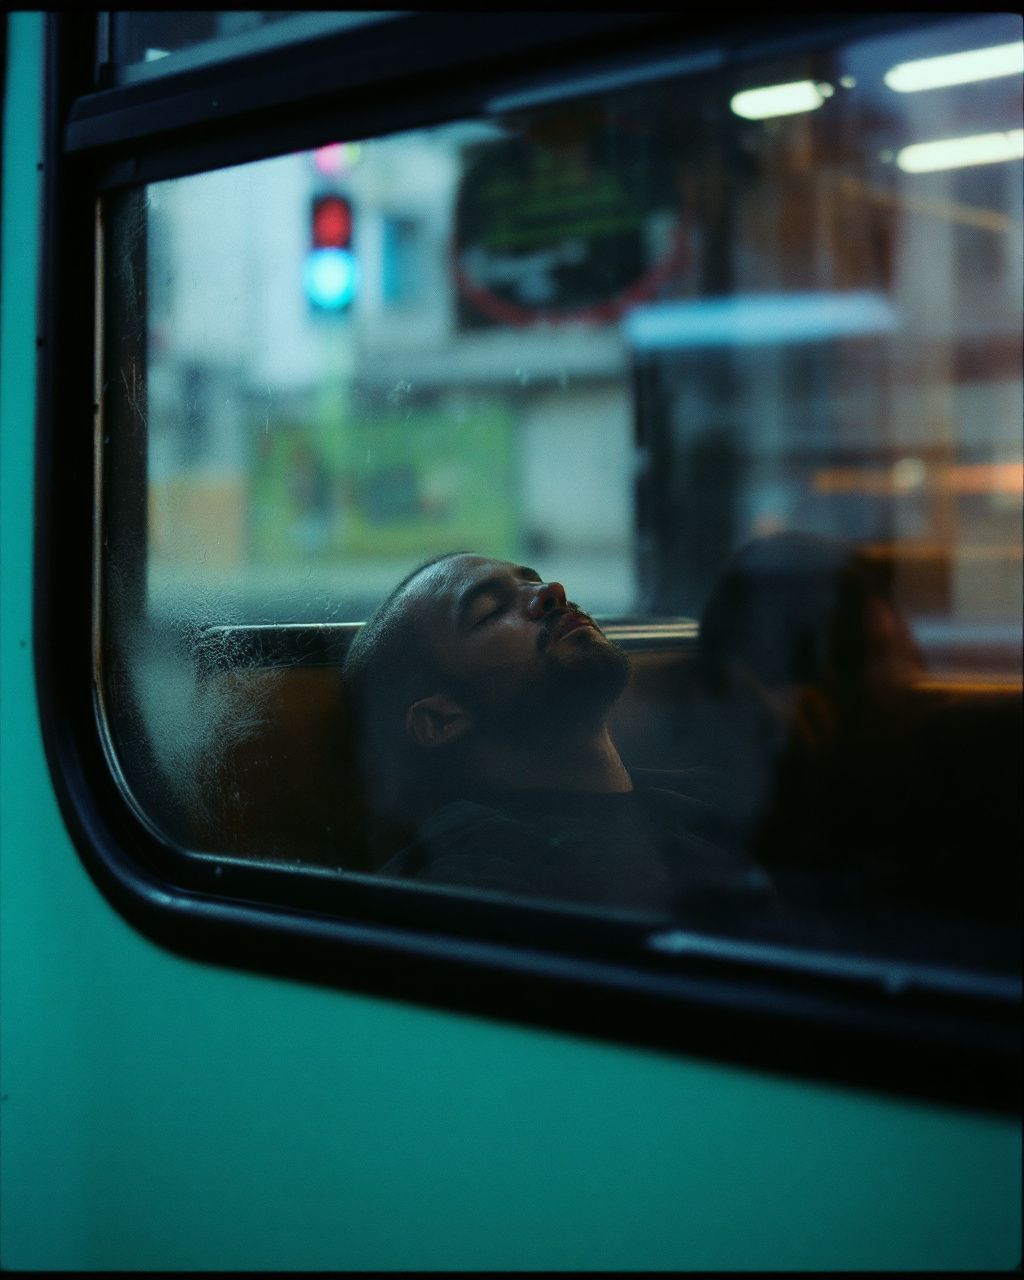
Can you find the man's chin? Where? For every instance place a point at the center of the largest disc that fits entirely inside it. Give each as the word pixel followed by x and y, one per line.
pixel 590 664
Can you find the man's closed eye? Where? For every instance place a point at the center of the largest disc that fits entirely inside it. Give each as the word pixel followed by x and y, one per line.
pixel 489 610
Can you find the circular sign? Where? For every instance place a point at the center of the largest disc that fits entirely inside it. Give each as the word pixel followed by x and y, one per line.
pixel 559 233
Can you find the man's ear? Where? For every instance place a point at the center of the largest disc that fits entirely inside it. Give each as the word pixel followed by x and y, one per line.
pixel 437 721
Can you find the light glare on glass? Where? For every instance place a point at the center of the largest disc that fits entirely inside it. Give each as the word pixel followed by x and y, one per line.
pixel 958 153
pixel 908 473
pixel 779 99
pixel 957 68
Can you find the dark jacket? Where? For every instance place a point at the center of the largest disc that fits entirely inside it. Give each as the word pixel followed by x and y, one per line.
pixel 663 848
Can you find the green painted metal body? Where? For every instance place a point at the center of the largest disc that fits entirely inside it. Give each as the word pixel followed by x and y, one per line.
pixel 158 1113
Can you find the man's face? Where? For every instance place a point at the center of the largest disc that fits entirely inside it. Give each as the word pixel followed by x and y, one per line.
pixel 511 646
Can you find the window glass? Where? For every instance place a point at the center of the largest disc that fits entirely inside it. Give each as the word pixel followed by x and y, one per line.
pixel 154 43
pixel 740 348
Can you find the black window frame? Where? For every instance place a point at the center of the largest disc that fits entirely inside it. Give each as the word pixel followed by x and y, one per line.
pixel 874 1025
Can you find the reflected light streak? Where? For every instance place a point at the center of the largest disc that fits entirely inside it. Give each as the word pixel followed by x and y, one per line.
pixel 779 99
pixel 957 68
pixel 973 477
pixel 959 153
pixel 767 319
pixel 991 477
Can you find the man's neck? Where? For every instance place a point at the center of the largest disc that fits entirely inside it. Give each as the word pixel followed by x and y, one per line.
pixel 583 760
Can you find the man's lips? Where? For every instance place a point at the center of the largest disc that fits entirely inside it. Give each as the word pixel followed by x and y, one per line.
pixel 571 622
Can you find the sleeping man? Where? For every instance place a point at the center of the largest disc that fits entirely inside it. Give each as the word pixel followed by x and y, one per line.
pixel 480 698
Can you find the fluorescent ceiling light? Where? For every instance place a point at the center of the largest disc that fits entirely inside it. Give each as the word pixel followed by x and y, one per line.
pixel 779 100
pixel 957 68
pixel 958 153
pixel 761 319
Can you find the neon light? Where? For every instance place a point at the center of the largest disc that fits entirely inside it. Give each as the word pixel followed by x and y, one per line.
pixel 330 160
pixel 337 158
pixel 768 319
pixel 330 278
pixel 958 153
pixel 957 68
pixel 780 99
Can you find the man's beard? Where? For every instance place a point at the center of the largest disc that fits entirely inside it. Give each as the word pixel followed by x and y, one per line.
pixel 574 694
pixel 588 686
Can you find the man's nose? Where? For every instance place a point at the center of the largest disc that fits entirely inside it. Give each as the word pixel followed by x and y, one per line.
pixel 545 597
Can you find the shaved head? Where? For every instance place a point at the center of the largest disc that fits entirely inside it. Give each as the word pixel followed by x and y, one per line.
pixel 468 652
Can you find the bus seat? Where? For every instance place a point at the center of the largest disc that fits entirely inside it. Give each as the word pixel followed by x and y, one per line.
pixel 285 790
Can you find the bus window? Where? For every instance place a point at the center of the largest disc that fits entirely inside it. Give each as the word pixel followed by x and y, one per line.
pixel 732 354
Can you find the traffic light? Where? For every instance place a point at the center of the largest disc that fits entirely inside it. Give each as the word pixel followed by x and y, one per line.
pixel 330 271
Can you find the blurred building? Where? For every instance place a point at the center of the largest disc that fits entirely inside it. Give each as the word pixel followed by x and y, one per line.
pixel 534 323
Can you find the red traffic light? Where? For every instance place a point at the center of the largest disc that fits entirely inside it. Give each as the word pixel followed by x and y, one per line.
pixel 332 222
